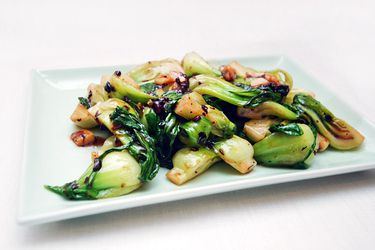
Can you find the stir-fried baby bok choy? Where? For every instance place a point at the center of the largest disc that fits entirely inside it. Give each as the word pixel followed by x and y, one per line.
pixel 290 145
pixel 118 170
pixel 164 131
pixel 191 162
pixel 232 94
pixel 196 132
pixel 187 115
pixel 194 64
pixel 256 78
pixel 338 132
pixel 193 105
pixel 120 89
pixel 237 152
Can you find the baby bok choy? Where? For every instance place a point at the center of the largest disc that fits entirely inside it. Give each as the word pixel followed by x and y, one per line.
pixel 194 64
pixel 267 109
pixel 237 152
pixel 288 145
pixel 119 86
pixel 118 170
pixel 102 112
pixel 255 78
pixel 191 162
pixel 235 95
pixel 338 132
pixel 164 132
pixel 256 130
pixel 196 132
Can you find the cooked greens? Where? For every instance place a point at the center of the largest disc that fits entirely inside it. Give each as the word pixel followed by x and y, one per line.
pixel 194 64
pixel 141 146
pixel 237 152
pixel 287 149
pixel 121 89
pixel 196 132
pixel 113 175
pixel 185 116
pixel 338 132
pixel 288 129
pixel 191 162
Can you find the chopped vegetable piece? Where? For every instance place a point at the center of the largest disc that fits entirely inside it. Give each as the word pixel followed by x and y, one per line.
pixel 256 130
pixel 82 118
pixel 194 64
pixel 123 89
pixel 97 93
pixel 237 152
pixel 188 163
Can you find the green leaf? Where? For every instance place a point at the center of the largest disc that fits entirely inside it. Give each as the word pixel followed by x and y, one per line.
pixel 71 191
pixel 173 95
pixel 143 146
pixel 84 101
pixel 263 97
pixel 238 95
pixel 195 133
pixel 149 87
pixel 164 131
pixel 170 127
pixel 288 129
pixel 215 102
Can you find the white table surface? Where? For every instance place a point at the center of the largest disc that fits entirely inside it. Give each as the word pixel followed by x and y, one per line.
pixel 333 40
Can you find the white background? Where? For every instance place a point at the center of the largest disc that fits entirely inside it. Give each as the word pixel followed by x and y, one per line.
pixel 333 40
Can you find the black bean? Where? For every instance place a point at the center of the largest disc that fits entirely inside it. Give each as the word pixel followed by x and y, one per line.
pixel 108 87
pixel 97 165
pixel 205 109
pixel 202 138
pixel 328 118
pixel 197 118
pixel 74 185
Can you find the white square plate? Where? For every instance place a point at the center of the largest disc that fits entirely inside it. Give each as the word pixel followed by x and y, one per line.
pixel 51 158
